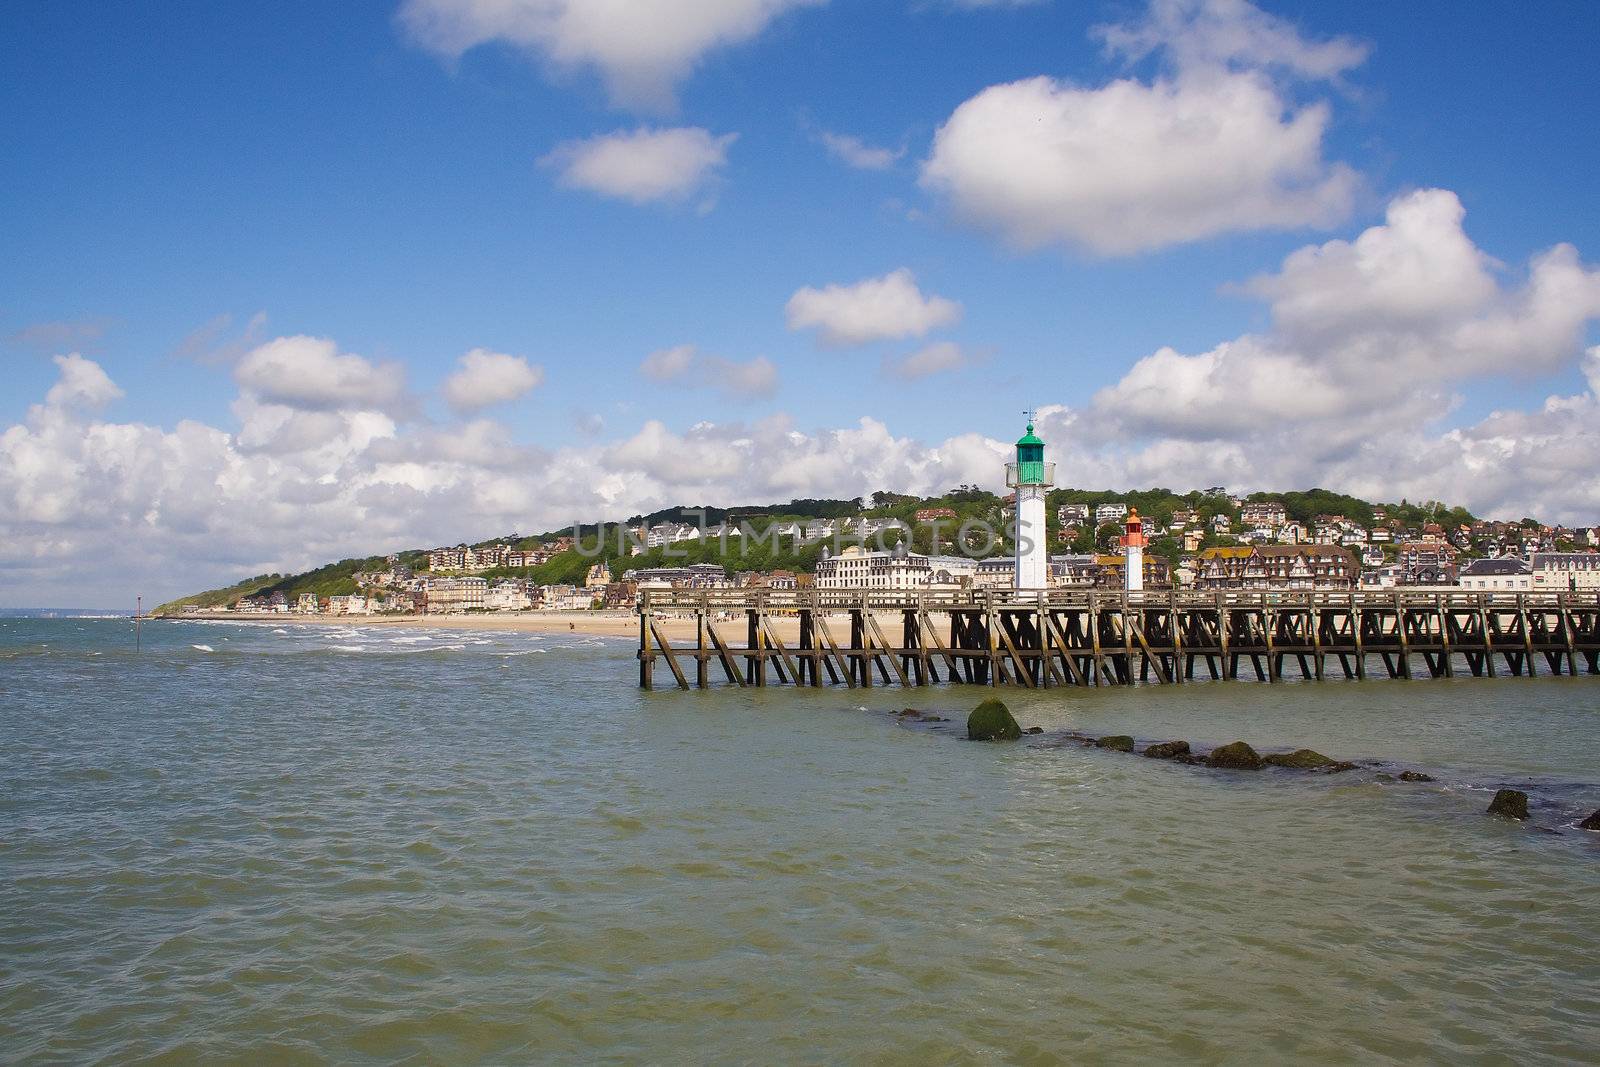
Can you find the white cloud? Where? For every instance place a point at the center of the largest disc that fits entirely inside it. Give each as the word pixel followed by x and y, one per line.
pixel 643 165
pixel 485 378
pixel 855 152
pixel 310 373
pixel 92 512
pixel 874 309
pixel 82 384
pixel 668 364
pixel 1362 328
pixel 932 359
pixel 686 365
pixel 1131 167
pixel 1214 148
pixel 1230 33
pixel 641 50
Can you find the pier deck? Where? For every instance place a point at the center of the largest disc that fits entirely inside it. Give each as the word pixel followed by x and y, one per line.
pixel 1103 637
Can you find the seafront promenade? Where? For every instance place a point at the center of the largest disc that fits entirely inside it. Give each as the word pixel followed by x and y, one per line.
pixel 1093 638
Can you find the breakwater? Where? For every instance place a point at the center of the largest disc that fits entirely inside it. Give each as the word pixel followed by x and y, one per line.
pixel 1093 638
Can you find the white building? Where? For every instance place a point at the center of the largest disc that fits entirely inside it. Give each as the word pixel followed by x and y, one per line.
pixel 1558 572
pixel 1507 574
pixel 508 596
pixel 1110 512
pixel 451 595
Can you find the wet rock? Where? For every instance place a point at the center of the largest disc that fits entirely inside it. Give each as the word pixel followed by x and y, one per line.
pixel 1511 803
pixel 1116 743
pixel 1591 823
pixel 1190 759
pixel 1167 749
pixel 1034 730
pixel 1235 757
pixel 1415 776
pixel 1341 766
pixel 909 713
pixel 1301 759
pixel 992 721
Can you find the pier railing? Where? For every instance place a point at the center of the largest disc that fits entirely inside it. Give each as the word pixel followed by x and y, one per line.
pixel 1102 637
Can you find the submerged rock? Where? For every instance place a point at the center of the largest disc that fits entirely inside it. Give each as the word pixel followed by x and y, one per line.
pixel 1116 743
pixel 1167 749
pixel 1301 759
pixel 909 713
pixel 1415 776
pixel 1235 757
pixel 1511 803
pixel 992 721
pixel 1034 730
pixel 1591 823
pixel 1341 766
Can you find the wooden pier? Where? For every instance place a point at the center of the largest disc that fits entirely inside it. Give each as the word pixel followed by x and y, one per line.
pixel 1084 637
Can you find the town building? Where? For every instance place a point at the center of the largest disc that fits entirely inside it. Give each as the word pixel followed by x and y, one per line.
pixel 1427 563
pixel 933 514
pixel 1263 513
pixel 1070 514
pixel 1566 571
pixel 1276 567
pixel 1111 511
pixel 1508 574
pixel 858 568
pixel 1110 572
pixel 446 596
pixel 508 595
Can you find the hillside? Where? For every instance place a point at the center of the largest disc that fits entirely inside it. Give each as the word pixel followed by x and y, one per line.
pixel 969 503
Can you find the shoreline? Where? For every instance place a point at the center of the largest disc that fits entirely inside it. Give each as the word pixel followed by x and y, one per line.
pixel 602 623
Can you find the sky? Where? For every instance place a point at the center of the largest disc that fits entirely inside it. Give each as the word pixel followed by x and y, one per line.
pixel 287 283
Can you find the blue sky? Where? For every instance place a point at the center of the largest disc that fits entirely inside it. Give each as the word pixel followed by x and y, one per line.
pixel 191 183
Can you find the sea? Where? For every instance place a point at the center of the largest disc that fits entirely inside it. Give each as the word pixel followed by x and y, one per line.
pixel 246 843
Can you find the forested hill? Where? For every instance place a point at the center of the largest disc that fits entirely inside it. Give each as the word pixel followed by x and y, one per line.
pixel 967 502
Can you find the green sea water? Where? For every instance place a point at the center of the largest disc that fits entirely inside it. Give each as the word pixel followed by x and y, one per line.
pixel 253 844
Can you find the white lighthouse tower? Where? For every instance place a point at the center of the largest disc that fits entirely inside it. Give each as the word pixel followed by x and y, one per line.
pixel 1031 477
pixel 1133 542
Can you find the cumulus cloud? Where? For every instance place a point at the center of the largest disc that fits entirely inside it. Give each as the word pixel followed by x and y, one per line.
pixel 874 309
pixel 641 50
pixel 1214 148
pixel 484 378
pixel 310 373
pixel 1362 328
pixel 855 152
pixel 93 511
pixel 686 365
pixel 82 384
pixel 937 358
pixel 644 165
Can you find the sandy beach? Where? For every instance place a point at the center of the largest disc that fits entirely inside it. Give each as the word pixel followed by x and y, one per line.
pixel 598 623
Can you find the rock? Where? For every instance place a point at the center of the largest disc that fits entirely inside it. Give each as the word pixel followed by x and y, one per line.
pixel 1415 776
pixel 909 713
pixel 1301 759
pixel 1235 757
pixel 992 721
pixel 1116 743
pixel 1591 823
pixel 1512 803
pixel 1034 730
pixel 1190 759
pixel 1341 766
pixel 1167 749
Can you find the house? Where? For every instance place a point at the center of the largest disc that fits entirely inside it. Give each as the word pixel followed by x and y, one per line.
pixel 1192 540
pixel 1183 517
pixel 858 568
pixel 1221 524
pixel 565 598
pixel 1291 533
pixel 934 514
pixel 307 604
pixel 1263 513
pixel 448 596
pixel 1073 572
pixel 1072 513
pixel 1427 563
pixel 598 577
pixel 1111 511
pixel 1507 574
pixel 508 595
pixel 348 605
pixel 1566 571
pixel 1276 567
